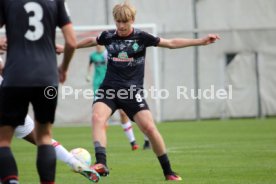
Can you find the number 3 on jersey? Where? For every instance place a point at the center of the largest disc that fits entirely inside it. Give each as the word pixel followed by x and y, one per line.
pixel 35 21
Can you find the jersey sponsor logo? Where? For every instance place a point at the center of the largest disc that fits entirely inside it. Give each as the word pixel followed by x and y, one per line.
pixel 123 57
pixel 122 60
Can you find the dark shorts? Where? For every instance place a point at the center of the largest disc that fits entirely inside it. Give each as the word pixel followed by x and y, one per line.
pixel 130 101
pixel 14 104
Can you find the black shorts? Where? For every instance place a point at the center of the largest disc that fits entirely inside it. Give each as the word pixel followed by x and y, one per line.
pixel 14 104
pixel 130 101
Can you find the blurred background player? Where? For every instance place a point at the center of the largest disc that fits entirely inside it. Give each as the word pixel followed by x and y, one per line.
pixel 26 132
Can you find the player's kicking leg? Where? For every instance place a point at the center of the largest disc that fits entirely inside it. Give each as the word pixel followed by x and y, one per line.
pixel 100 114
pixel 66 157
pixel 26 132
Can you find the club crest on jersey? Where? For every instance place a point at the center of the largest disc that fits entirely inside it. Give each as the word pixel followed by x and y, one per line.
pixel 135 46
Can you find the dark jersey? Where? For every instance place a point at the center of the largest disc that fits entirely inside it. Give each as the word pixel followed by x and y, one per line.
pixel 30 30
pixel 126 57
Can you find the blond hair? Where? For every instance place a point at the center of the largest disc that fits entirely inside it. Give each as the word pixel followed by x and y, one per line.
pixel 124 12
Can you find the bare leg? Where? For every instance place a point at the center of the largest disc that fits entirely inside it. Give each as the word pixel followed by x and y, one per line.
pixel 145 122
pixel 100 114
pixel 30 137
pixel 43 134
pixel 6 134
pixel 123 116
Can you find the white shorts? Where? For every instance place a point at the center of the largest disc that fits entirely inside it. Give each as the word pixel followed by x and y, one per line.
pixel 24 130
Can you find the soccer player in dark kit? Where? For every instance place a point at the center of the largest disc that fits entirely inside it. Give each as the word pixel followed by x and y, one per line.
pixel 126 48
pixel 31 66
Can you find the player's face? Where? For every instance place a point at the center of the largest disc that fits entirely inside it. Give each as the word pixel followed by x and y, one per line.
pixel 124 28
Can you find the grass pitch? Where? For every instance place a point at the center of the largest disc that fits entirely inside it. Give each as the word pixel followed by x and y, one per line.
pixel 204 152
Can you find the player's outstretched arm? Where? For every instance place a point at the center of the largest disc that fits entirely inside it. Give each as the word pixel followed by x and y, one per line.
pixel 87 42
pixel 69 49
pixel 176 43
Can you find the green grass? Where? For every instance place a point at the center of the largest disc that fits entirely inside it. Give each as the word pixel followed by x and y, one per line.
pixel 204 152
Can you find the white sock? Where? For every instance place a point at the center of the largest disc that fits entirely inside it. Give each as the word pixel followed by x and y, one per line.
pixel 128 131
pixel 62 154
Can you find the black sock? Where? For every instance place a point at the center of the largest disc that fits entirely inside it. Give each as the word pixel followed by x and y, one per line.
pixel 165 164
pixel 147 142
pixel 133 143
pixel 100 154
pixel 8 168
pixel 46 163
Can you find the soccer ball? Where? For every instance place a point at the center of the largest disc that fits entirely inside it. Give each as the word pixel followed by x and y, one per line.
pixel 82 155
